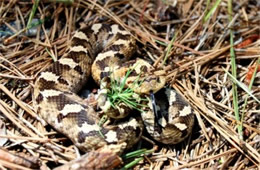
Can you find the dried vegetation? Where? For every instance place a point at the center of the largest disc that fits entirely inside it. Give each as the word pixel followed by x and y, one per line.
pixel 192 40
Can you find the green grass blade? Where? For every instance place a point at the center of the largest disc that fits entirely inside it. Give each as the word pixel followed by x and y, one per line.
pixel 100 124
pixel 169 47
pixel 211 11
pixel 234 73
pixel 138 155
pixel 161 43
pixel 122 85
pixel 133 163
pixel 134 154
pixel 39 22
pixel 54 58
pixel 34 8
pixel 241 85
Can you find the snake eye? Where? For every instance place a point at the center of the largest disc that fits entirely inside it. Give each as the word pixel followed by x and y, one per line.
pixel 158 80
pixel 120 56
pixel 104 74
pixel 144 69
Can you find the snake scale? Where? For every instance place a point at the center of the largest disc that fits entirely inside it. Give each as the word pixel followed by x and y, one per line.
pixel 100 49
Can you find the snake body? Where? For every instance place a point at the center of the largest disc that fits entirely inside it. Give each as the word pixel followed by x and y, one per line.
pixel 100 49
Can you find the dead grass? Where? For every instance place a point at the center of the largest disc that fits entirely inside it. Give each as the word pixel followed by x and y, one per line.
pixel 196 61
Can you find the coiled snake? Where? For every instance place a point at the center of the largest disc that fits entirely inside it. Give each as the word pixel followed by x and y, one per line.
pixel 102 48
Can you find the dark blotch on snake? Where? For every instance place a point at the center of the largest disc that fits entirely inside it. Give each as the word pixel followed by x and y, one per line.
pixel 62 81
pixel 45 84
pixel 78 69
pixel 39 99
pixel 80 42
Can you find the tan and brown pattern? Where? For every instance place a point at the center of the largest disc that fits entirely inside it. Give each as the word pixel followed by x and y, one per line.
pixel 100 49
pixel 176 121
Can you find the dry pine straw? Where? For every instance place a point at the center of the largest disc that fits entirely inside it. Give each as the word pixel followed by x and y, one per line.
pixel 195 64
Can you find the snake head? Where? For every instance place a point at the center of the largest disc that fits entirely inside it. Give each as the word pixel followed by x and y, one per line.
pixel 121 90
pixel 152 81
pixel 144 78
